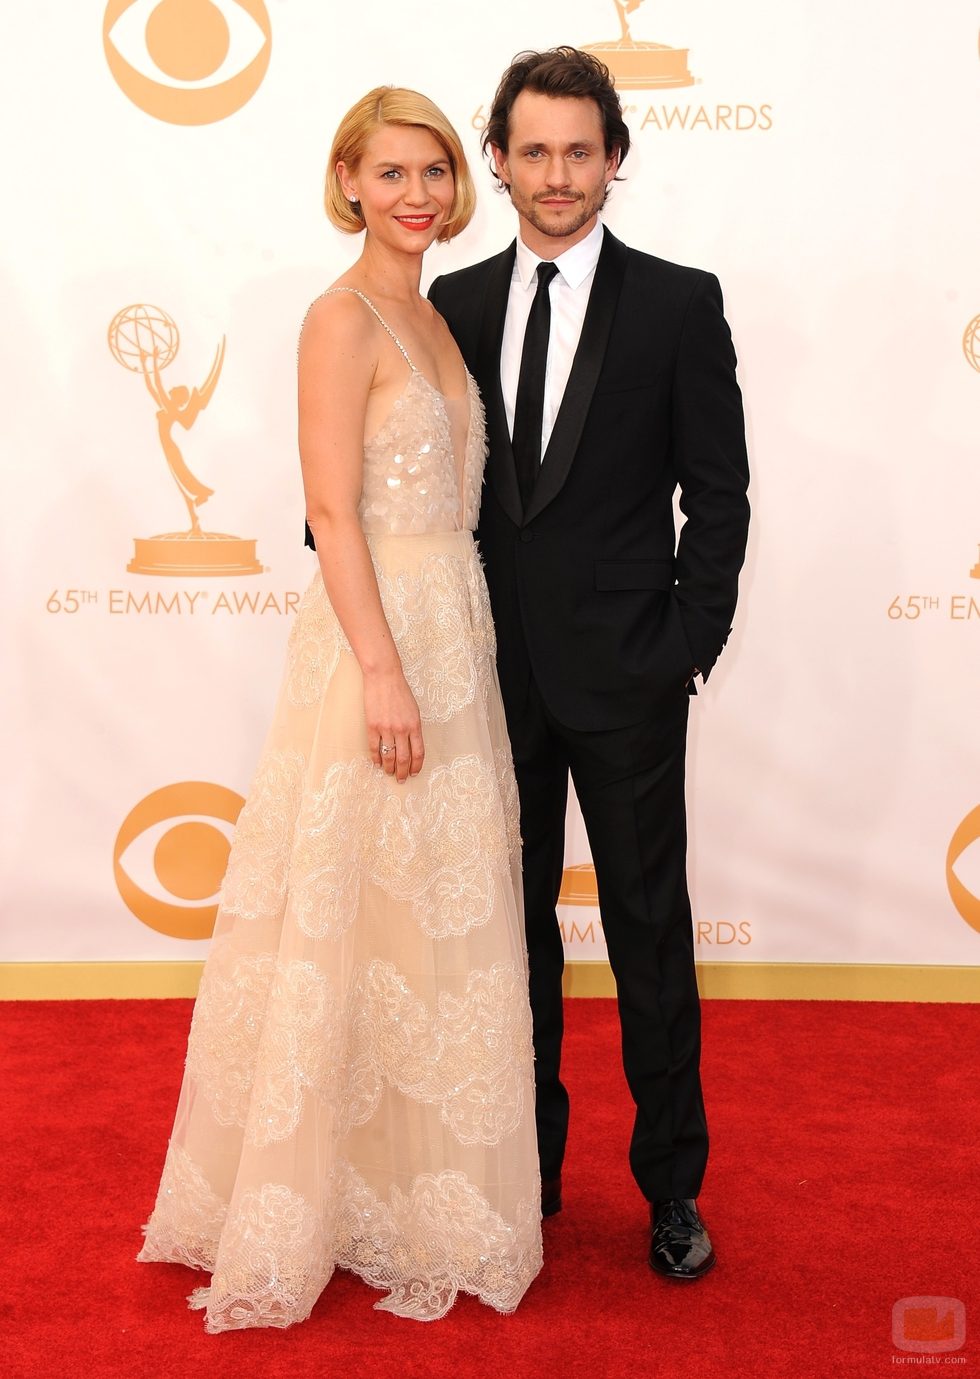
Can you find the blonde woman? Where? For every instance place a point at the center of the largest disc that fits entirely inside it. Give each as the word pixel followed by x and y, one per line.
pixel 359 1081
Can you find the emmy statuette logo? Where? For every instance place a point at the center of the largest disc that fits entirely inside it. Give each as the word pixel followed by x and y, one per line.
pixel 144 340
pixel 636 65
pixel 955 607
pixel 182 858
pixel 578 886
pixel 188 62
pixel 639 66
pixel 971 344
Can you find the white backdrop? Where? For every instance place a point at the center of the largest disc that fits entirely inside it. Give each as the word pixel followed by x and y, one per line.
pixel 822 162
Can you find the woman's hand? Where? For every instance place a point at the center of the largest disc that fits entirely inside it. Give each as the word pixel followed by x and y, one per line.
pixel 393 720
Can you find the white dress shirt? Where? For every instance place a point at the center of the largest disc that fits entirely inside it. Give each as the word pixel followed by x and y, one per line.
pixel 569 294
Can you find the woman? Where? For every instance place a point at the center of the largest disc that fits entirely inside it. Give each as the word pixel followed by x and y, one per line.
pixel 358 1089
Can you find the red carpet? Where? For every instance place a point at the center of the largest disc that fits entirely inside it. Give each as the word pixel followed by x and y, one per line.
pixel 844 1176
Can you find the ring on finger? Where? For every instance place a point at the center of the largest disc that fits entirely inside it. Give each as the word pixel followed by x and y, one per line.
pixel 385 749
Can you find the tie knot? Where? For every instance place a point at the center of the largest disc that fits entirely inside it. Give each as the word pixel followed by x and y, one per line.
pixel 546 271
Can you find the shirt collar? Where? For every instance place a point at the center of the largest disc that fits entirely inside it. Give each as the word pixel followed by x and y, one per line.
pixel 574 264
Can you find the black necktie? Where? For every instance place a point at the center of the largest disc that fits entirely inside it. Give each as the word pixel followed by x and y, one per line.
pixel 529 406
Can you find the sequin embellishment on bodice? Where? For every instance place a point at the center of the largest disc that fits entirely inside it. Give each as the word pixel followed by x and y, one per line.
pixel 413 478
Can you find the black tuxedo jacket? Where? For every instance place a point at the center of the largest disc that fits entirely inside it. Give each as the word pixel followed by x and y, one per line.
pixel 587 591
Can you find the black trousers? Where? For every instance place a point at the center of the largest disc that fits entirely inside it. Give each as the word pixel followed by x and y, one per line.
pixel 630 785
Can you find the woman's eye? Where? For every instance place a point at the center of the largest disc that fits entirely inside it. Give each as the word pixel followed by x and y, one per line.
pixel 390 175
pixel 436 172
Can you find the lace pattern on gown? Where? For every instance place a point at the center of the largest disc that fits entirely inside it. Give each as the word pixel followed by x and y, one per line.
pixel 223 1045
pixel 470 1057
pixel 440 619
pixel 277 1263
pixel 359 1080
pixel 188 1217
pixel 258 871
pixel 442 848
pixel 423 1246
pixel 435 1241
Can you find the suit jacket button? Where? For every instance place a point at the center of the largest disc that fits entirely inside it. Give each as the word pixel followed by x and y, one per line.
pixel 527 535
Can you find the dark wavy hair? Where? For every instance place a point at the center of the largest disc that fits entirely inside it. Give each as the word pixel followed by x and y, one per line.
pixel 560 71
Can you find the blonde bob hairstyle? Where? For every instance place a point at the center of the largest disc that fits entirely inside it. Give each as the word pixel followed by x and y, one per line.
pixel 395 105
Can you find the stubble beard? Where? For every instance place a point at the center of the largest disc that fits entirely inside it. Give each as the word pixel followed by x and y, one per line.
pixel 528 208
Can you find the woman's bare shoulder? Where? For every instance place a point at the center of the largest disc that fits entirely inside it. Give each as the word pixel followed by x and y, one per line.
pixel 337 320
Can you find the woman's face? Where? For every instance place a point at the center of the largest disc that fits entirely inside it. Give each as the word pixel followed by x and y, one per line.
pixel 405 185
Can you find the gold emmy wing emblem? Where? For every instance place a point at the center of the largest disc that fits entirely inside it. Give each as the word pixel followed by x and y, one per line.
pixel 145 340
pixel 188 62
pixel 639 66
pixel 578 886
pixel 965 901
pixel 188 859
pixel 971 353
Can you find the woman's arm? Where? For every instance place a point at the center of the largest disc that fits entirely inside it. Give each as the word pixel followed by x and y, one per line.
pixel 338 359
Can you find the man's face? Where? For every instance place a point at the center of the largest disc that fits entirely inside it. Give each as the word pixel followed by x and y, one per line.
pixel 556 168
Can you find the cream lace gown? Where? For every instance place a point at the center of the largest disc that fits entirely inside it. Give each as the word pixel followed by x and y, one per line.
pixel 359 1083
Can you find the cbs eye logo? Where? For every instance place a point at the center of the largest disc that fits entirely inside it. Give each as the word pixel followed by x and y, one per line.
pixel 177 854
pixel 966 838
pixel 187 62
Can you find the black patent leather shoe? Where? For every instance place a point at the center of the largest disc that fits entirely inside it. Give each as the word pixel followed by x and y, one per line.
pixel 550 1196
pixel 679 1244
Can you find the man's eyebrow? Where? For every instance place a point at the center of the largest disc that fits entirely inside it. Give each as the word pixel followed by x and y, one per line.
pixel 589 144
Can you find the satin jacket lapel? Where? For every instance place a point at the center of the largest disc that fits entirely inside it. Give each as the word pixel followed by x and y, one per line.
pixel 501 472
pixel 586 366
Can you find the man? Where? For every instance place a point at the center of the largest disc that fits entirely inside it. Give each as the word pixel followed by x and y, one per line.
pixel 609 380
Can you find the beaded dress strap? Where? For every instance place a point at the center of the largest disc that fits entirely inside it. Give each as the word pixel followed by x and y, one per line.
pixel 368 303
